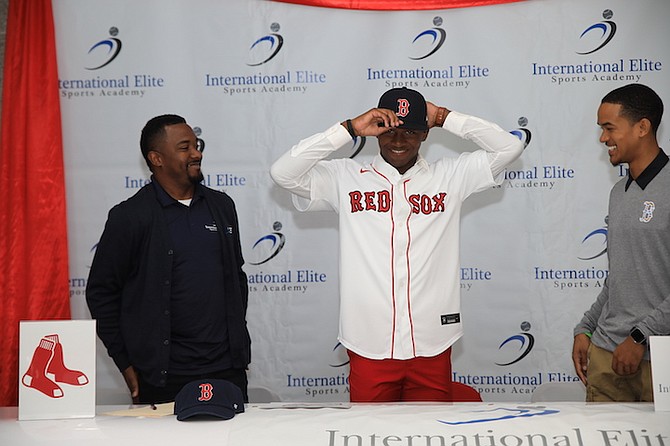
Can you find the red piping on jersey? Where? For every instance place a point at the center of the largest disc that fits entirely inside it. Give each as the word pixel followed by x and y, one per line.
pixel 392 257
pixel 409 276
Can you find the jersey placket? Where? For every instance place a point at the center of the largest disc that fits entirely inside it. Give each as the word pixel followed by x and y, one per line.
pixel 403 347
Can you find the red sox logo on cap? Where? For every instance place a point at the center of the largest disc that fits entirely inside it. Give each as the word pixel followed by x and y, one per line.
pixel 403 107
pixel 216 398
pixel 409 105
pixel 205 392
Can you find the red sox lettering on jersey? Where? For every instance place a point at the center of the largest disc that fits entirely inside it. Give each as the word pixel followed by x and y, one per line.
pixel 399 233
pixel 380 201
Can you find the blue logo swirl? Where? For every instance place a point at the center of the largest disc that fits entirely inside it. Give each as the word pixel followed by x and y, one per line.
pixel 275 41
pixel 358 145
pixel 525 340
pixel 112 47
pixel 522 133
pixel 437 36
pixel 339 359
pixel 276 240
pixel 604 32
pixel 600 232
pixel 507 414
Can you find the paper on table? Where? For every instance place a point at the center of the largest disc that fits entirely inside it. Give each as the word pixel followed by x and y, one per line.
pixel 153 411
pixel 280 405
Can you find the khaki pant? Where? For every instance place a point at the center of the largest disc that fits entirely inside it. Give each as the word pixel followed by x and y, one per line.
pixel 605 385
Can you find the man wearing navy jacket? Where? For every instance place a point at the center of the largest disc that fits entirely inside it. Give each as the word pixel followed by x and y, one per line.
pixel 166 286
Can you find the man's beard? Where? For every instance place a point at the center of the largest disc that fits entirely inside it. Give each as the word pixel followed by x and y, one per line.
pixel 197 178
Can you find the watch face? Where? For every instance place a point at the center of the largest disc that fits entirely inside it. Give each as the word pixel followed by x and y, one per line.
pixel 637 336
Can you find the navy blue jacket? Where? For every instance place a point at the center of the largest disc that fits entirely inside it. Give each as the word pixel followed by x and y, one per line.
pixel 128 288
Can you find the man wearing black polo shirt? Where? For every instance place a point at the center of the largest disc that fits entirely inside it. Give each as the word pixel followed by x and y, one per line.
pixel 166 285
pixel 610 351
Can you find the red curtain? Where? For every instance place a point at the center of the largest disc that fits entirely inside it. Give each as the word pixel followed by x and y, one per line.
pixel 390 5
pixel 33 229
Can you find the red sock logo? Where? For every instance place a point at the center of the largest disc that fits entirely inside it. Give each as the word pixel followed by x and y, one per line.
pixel 48 364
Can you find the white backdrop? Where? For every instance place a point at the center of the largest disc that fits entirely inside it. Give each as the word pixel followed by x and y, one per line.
pixel 256 76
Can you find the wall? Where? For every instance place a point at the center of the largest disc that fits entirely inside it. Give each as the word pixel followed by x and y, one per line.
pixel 532 249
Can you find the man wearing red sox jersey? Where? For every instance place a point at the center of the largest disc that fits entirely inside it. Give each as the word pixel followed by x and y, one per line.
pixel 399 237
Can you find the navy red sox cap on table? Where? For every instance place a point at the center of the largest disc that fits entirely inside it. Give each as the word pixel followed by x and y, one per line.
pixel 409 105
pixel 210 397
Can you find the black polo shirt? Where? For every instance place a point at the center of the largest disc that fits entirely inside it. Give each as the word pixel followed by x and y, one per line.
pixel 199 334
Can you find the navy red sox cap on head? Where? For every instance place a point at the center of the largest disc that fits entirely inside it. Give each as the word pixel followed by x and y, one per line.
pixel 409 105
pixel 212 397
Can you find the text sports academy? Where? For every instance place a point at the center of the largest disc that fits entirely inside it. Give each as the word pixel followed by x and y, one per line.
pixel 589 43
pixel 262 53
pixel 536 177
pixel 99 56
pixel 129 85
pixel 451 76
pixel 514 349
pixel 422 46
pixel 296 81
pixel 292 280
pixel 510 383
pixel 622 71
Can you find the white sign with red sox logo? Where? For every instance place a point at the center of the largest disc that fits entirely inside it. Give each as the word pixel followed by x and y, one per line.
pixel 56 369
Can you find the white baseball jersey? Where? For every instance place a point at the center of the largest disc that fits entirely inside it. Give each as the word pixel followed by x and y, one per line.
pixel 399 234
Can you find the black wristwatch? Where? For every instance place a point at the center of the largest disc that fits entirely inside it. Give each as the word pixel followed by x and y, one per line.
pixel 638 336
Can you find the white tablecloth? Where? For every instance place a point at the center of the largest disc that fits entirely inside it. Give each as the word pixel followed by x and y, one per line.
pixel 463 424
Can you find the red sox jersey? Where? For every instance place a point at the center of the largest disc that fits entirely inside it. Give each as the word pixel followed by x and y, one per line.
pixel 399 234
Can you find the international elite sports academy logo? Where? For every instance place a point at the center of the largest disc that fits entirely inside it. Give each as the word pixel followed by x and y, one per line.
pixel 200 143
pixel 597 35
pixel 261 57
pixel 432 73
pixel 292 280
pixel 429 41
pixel 511 378
pixel 266 48
pixel 92 83
pixel 498 414
pixel 516 347
pixel 573 278
pixel 268 246
pixel 522 132
pixel 104 52
pixel 591 63
pixel 545 177
pixel 594 244
pixel 327 386
pixel 339 357
pixel 359 143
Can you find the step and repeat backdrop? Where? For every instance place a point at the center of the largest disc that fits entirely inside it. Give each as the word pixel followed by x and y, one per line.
pixel 254 77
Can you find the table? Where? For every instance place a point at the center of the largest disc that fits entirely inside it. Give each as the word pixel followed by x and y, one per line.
pixel 430 424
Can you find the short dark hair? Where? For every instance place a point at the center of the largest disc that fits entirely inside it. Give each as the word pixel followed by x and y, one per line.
pixel 155 129
pixel 637 102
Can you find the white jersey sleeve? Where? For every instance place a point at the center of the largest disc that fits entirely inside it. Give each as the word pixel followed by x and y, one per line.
pixel 303 172
pixel 501 147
